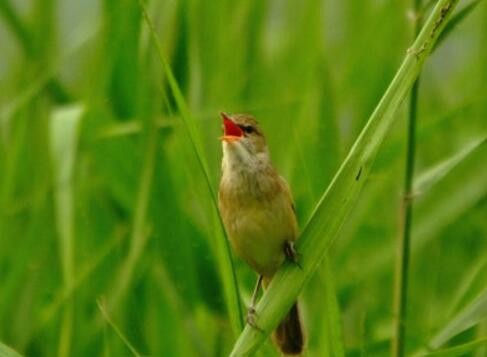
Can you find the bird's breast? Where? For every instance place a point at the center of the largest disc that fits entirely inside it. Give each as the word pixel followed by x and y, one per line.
pixel 258 217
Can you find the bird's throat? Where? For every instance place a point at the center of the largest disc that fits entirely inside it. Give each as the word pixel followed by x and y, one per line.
pixel 245 176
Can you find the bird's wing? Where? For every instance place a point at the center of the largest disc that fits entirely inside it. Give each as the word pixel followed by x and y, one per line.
pixel 287 190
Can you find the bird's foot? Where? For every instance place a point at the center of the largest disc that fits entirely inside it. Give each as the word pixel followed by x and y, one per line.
pixel 292 254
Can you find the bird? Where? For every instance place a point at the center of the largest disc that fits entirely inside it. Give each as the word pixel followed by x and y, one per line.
pixel 258 215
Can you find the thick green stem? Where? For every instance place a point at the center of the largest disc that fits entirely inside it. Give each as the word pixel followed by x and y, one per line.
pixel 340 196
pixel 403 244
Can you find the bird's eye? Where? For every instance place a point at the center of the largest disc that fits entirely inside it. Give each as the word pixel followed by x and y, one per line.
pixel 248 129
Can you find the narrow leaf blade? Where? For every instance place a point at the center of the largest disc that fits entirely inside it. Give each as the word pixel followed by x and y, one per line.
pixel 474 313
pixel 455 21
pixel 436 173
pixel 459 350
pixel 6 351
pixel 226 268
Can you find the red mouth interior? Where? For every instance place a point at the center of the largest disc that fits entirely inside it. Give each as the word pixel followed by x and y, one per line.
pixel 231 129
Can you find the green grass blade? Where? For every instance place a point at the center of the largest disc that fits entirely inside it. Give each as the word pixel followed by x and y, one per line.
pixel 25 95
pixel 343 191
pixel 115 328
pixel 6 351
pixel 128 128
pixel 16 25
pixel 225 263
pixel 403 241
pixel 455 21
pixel 471 315
pixel 85 272
pixel 436 173
pixel 475 278
pixel 332 326
pixel 442 204
pixel 460 350
pixel 139 236
pixel 186 319
pixel 64 138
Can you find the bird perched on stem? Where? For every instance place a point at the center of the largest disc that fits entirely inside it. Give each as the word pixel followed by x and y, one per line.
pixel 258 214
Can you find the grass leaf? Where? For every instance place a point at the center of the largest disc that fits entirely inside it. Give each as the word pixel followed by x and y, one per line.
pixel 65 124
pixel 332 339
pixel 343 191
pixel 460 350
pixel 115 328
pixel 6 351
pixel 436 173
pixel 471 315
pixel 226 268
pixel 455 21
pixel 139 236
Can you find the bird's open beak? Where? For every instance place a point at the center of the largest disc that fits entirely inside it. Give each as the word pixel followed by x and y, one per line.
pixel 231 132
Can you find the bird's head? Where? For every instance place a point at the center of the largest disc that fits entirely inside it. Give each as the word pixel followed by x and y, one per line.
pixel 242 138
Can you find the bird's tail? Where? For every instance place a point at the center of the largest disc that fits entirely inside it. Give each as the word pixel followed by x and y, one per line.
pixel 289 336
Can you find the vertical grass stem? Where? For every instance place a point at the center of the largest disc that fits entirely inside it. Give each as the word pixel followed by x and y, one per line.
pixel 404 239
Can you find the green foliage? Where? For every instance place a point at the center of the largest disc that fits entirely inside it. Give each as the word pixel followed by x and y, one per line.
pixel 109 164
pixel 461 350
pixel 6 351
pixel 343 191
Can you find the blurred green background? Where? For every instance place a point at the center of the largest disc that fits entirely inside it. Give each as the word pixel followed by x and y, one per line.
pixel 108 239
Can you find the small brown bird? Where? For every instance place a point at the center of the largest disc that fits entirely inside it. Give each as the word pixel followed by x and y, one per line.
pixel 258 214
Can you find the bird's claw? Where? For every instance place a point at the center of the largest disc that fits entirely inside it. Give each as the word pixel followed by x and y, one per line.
pixel 292 254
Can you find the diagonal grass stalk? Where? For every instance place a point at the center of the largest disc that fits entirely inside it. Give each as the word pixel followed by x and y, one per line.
pixel 465 349
pixel 427 179
pixel 25 40
pixel 148 221
pixel 6 351
pixel 338 199
pixel 474 313
pixel 436 204
pixel 117 330
pixel 83 275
